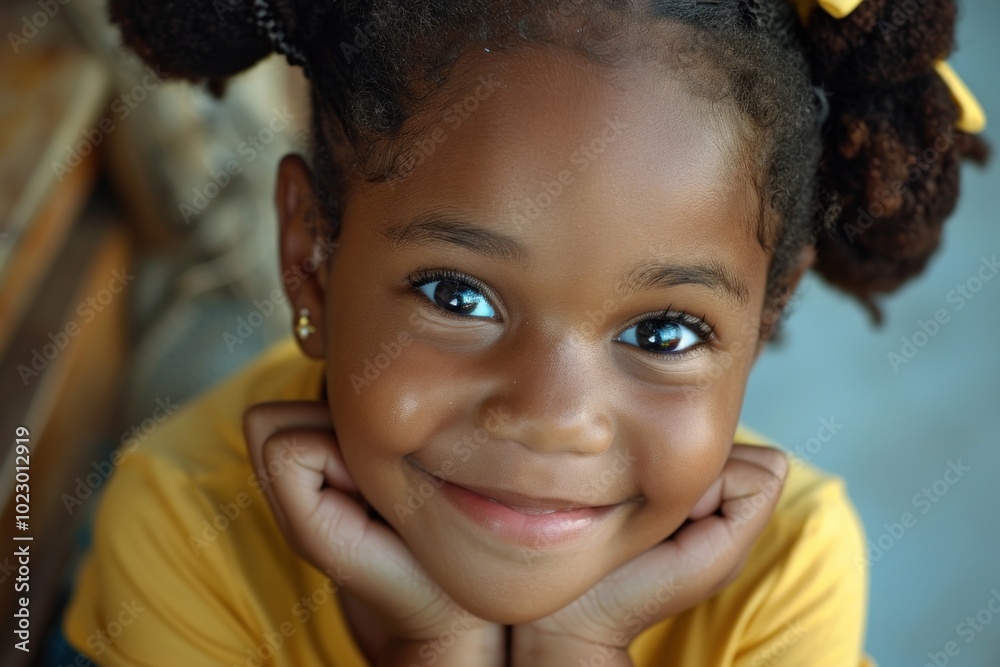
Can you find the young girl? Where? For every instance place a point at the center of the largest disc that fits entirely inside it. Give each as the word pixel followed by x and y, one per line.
pixel 534 254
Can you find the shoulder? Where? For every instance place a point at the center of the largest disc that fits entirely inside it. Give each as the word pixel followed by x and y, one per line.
pixel 141 560
pixel 814 503
pixel 206 432
pixel 183 534
pixel 805 582
pixel 801 597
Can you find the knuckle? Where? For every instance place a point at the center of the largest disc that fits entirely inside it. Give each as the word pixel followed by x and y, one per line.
pixel 776 462
pixel 272 448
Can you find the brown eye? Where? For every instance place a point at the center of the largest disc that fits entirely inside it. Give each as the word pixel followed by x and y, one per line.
pixel 457 297
pixel 658 335
pixel 662 335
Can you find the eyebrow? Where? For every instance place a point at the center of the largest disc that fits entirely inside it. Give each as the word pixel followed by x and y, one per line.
pixel 714 275
pixel 442 228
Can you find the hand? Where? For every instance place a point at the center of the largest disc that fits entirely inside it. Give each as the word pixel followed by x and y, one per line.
pixel 693 564
pixel 297 459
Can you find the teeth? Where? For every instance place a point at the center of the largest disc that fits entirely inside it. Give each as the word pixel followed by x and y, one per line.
pixel 532 510
pixel 526 510
pixel 536 510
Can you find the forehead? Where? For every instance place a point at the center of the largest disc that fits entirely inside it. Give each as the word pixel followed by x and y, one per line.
pixel 549 146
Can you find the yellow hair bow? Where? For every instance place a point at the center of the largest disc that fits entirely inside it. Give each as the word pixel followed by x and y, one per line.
pixel 971 117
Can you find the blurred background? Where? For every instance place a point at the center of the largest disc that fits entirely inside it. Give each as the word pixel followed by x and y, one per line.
pixel 902 420
pixel 138 259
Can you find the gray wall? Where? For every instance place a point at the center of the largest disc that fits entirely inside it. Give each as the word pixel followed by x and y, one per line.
pixel 901 428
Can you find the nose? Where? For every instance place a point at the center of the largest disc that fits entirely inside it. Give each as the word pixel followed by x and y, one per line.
pixel 551 400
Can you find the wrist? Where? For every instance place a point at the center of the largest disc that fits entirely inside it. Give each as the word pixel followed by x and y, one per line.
pixel 531 647
pixel 478 647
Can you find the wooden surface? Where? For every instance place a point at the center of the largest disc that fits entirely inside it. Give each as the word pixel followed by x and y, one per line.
pixel 61 359
pixel 36 247
pixel 66 409
pixel 50 105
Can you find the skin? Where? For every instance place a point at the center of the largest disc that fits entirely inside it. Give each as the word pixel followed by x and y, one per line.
pixel 576 400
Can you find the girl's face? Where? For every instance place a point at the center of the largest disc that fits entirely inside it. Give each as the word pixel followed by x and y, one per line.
pixel 557 308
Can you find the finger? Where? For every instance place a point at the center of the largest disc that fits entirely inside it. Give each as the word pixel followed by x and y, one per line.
pixel 264 420
pixel 336 531
pixel 768 458
pixel 708 553
pixel 278 455
pixel 771 458
pixel 746 493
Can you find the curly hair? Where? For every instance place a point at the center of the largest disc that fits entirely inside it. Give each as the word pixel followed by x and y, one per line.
pixel 847 131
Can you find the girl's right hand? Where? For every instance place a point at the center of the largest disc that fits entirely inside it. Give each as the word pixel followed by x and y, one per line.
pixel 297 460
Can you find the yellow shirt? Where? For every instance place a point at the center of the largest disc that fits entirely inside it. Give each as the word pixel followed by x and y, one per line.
pixel 188 567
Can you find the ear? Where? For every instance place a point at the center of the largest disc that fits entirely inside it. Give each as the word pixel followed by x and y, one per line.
pixel 305 251
pixel 771 317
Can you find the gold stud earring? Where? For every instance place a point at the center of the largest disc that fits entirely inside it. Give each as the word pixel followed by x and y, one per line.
pixel 304 328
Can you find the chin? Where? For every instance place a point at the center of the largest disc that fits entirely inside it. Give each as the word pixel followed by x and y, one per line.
pixel 514 593
pixel 509 604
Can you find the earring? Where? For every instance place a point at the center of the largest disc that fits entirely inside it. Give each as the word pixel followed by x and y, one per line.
pixel 304 328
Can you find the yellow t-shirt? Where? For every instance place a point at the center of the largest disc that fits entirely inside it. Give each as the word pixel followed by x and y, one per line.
pixel 188 567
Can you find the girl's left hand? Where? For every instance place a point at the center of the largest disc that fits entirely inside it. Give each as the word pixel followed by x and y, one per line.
pixel 693 564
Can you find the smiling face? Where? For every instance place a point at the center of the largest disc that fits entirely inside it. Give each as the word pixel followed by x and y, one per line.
pixel 556 308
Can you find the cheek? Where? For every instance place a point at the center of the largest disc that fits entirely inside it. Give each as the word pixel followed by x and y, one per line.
pixel 376 406
pixel 387 398
pixel 681 452
pixel 373 401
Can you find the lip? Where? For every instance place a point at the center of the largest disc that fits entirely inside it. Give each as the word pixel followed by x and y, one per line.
pixel 523 520
pixel 524 504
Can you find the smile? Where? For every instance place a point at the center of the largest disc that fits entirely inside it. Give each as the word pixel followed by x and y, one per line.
pixel 520 519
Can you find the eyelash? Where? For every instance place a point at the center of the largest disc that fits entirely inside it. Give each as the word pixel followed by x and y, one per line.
pixel 420 278
pixel 700 325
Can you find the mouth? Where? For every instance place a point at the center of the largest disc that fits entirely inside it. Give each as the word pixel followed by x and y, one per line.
pixel 523 503
pixel 522 519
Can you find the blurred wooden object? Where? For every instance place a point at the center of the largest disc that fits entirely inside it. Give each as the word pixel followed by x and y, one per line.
pixel 51 100
pixel 50 104
pixel 63 407
pixel 61 353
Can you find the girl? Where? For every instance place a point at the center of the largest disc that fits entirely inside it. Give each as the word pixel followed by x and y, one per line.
pixel 534 254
